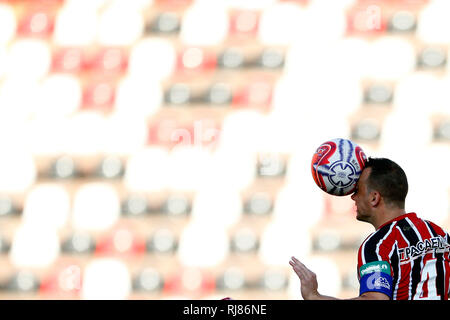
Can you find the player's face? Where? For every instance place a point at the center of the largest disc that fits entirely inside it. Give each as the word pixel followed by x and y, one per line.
pixel 360 196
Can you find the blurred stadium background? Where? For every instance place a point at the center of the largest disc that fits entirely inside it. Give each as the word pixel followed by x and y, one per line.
pixel 161 149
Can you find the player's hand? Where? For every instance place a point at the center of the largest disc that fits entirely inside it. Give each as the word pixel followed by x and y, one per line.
pixel 307 278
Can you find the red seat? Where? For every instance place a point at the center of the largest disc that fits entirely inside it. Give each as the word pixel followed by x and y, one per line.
pixel 99 95
pixel 257 94
pixel 196 59
pixel 366 19
pixel 120 241
pixel 191 282
pixel 244 23
pixel 64 279
pixel 109 60
pixel 72 60
pixel 37 22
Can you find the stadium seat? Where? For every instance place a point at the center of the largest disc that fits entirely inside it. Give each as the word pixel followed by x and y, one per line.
pixel 191 282
pixel 23 282
pixel 47 205
pixel 106 279
pixel 299 201
pixel 194 251
pixel 391 58
pixel 110 167
pixel 231 279
pixel 121 241
pixel 135 205
pixel 199 15
pixel 271 165
pixel 432 58
pixel 442 131
pixel 146 170
pixel 8 23
pixel 98 95
pixel 38 21
pixel 366 19
pixel 84 133
pixel 148 280
pixel 366 130
pixel 244 240
pixel 63 168
pixel 17 169
pixel 216 205
pixel 69 60
pixel 421 92
pixel 243 24
pixel 162 241
pixel 124 134
pixel 111 33
pixel 219 94
pixel 281 239
pixel 35 246
pixel 109 60
pixel 177 205
pixel 378 93
pixel 258 204
pixel 328 277
pixel 136 97
pixel 432 23
pixel 20 66
pixel 65 103
pixel 68 29
pixel 256 94
pixel 78 243
pixel 280 23
pixel 231 58
pixel 273 280
pixel 193 60
pixel 327 241
pixel 403 21
pixel 5 245
pixel 7 206
pixel 178 94
pixel 64 280
pixel 96 207
pixel 152 59
pixel 186 166
pixel 164 24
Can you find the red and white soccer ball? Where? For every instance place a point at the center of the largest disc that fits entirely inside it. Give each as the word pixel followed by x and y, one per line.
pixel 337 165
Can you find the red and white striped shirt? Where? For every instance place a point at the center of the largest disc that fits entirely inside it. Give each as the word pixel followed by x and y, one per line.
pixel 406 258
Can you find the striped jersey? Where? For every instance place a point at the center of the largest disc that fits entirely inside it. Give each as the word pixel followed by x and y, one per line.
pixel 407 258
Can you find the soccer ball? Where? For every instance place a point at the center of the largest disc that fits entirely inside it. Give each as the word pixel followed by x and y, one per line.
pixel 337 165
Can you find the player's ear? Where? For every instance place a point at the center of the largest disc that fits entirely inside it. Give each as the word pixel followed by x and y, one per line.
pixel 374 198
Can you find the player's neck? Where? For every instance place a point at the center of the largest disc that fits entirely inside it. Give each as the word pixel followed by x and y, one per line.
pixel 386 215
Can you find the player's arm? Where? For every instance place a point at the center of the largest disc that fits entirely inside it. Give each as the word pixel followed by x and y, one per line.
pixel 309 285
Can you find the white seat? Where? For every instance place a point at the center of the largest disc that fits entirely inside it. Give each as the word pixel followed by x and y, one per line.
pixel 280 240
pixel 390 58
pixel 14 104
pixel 204 13
pixel 68 29
pixel 20 66
pixel 217 205
pixel 202 245
pixel 111 33
pixel 34 246
pixel 433 23
pixel 65 103
pixel 124 134
pixel 84 133
pixel 186 165
pixel 106 279
pixel 152 59
pixel 47 205
pixel 96 207
pixel 8 23
pixel 137 97
pixel 280 24
pixel 146 170
pixel 17 169
pixel 328 277
pixel 420 94
pixel 300 202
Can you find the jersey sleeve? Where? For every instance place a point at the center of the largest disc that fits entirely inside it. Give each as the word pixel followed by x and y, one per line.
pixel 374 265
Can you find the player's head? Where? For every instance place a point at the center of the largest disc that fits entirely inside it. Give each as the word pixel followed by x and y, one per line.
pixel 382 181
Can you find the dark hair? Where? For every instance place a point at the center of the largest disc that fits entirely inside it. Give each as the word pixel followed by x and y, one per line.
pixel 389 179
